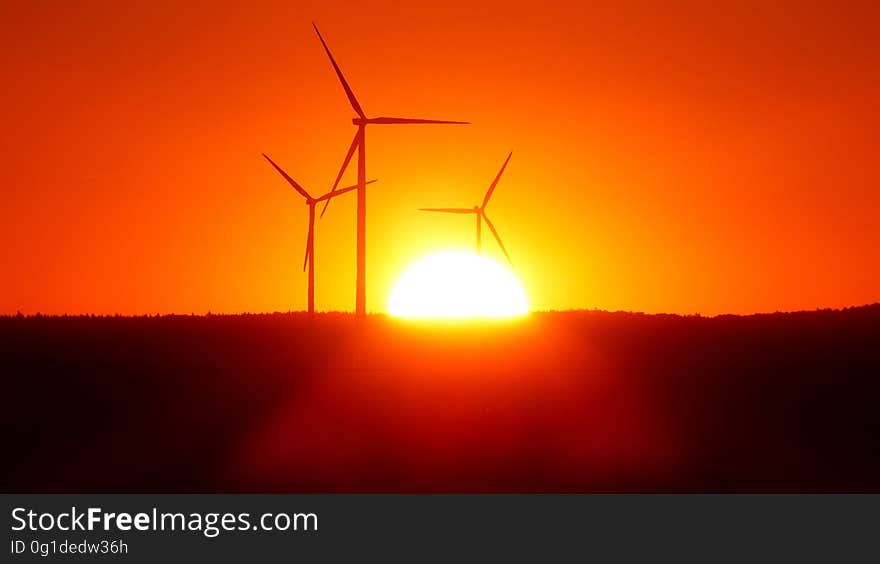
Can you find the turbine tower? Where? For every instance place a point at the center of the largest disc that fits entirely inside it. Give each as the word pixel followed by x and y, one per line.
pixel 480 212
pixel 310 241
pixel 359 143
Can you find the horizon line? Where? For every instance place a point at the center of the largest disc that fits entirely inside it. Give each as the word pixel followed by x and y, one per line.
pixel 378 314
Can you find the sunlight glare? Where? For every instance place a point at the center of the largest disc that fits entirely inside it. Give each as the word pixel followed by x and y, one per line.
pixel 457 285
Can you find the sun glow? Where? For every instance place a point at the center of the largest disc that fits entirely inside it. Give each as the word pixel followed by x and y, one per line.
pixel 457 285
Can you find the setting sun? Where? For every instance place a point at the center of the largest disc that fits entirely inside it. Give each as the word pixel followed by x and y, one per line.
pixel 455 284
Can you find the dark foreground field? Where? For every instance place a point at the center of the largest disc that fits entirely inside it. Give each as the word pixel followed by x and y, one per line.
pixel 575 402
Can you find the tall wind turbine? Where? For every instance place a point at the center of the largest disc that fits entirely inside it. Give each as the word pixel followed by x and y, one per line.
pixel 310 241
pixel 359 143
pixel 480 211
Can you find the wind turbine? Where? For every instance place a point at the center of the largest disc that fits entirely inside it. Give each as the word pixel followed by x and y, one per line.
pixel 480 212
pixel 310 241
pixel 359 143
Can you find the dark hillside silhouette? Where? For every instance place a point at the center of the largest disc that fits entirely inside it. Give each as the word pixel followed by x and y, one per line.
pixel 574 402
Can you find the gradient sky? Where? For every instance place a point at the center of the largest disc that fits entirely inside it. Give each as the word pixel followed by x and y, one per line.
pixel 685 158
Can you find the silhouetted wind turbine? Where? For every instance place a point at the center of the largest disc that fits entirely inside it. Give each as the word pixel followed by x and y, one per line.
pixel 480 211
pixel 310 241
pixel 359 143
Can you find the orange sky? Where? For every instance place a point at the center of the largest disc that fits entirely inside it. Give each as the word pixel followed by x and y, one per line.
pixel 683 159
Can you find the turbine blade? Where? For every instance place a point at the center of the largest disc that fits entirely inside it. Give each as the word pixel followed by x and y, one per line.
pixel 306 260
pixel 495 182
pixel 449 210
pixel 309 245
pixel 335 193
pixel 352 100
pixel 497 237
pixel 351 148
pixel 395 121
pixel 292 182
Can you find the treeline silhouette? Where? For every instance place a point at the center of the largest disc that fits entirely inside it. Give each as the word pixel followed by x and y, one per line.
pixel 568 401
